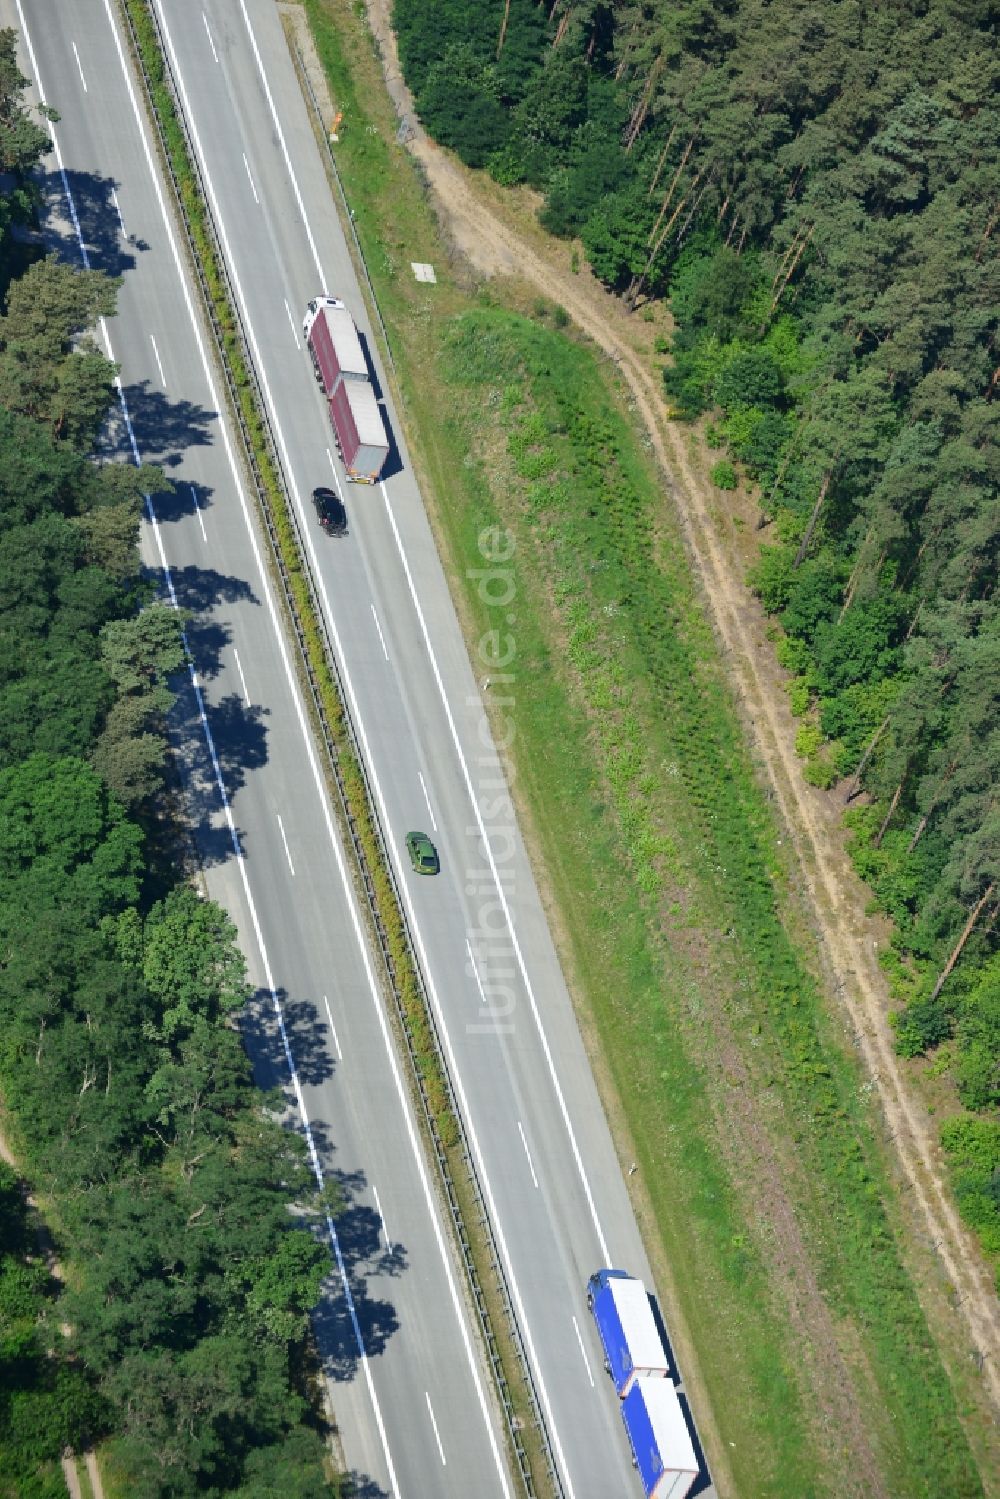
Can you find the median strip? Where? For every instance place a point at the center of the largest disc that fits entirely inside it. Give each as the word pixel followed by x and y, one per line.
pixel 353 798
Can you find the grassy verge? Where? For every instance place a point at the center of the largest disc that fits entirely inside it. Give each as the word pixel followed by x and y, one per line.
pixel 623 666
pixel 695 950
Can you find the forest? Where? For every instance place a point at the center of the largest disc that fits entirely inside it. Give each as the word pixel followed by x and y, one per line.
pixel 178 1206
pixel 815 191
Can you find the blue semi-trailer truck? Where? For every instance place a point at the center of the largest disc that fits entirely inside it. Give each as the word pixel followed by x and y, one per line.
pixel 658 1434
pixel 627 1328
pixel 636 1359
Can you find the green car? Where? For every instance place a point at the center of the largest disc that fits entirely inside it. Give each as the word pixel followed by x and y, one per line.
pixel 423 854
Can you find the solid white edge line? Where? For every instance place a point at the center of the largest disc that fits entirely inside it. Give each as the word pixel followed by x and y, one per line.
pixel 498 883
pixel 56 151
pixel 346 882
pixel 314 1157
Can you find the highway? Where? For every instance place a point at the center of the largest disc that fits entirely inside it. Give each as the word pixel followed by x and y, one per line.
pixel 415 1411
pixel 550 1176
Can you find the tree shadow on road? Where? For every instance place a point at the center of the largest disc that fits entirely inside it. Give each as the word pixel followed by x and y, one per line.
pixel 337 1336
pixel 308 1040
pixel 199 590
pixel 364 1253
pixel 188 497
pixel 207 639
pixel 165 429
pixel 360 1486
pixel 239 741
pixel 362 1248
pixel 237 728
pixel 94 200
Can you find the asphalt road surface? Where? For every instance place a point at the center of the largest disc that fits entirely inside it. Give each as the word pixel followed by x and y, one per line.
pixel 552 1182
pixel 415 1408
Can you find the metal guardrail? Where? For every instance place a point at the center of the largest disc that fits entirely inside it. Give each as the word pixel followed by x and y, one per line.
pixel 333 757
pixel 348 213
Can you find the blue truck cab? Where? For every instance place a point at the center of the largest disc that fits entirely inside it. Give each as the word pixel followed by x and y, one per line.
pixel 627 1328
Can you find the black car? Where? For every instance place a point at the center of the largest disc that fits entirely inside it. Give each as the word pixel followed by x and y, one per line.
pixel 331 513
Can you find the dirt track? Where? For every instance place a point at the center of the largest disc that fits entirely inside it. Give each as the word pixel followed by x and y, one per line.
pixel 68 1460
pixel 838 899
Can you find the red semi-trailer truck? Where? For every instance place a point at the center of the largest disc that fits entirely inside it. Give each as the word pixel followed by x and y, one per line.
pixel 360 431
pixel 333 341
pixel 339 362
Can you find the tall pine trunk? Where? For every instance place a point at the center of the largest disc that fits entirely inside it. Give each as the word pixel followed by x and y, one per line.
pixel 922 824
pixel 888 817
pixel 660 163
pixel 788 276
pixel 807 538
pixel 855 785
pixel 638 118
pixel 967 931
pixel 503 27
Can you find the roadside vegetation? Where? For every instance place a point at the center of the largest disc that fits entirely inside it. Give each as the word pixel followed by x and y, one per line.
pixel 816 196
pixel 179 1206
pixel 773 1205
pixel 46 1403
